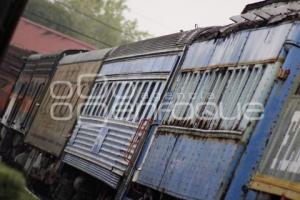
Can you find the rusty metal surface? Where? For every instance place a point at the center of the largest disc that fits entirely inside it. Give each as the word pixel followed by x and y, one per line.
pixel 242 47
pixel 228 90
pixel 48 133
pixel 126 92
pixel 181 165
pixel 282 156
pixel 166 43
pixel 177 156
pixel 10 69
pixel 29 90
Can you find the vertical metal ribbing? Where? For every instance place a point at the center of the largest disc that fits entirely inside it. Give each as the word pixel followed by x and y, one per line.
pixel 217 96
pixel 123 101
pixel 156 100
pixel 104 96
pixel 111 113
pixel 127 104
pixel 99 97
pixel 139 107
pixel 103 110
pixel 150 101
pixel 136 96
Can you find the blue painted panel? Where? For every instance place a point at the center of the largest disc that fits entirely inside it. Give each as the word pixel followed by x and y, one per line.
pixel 254 150
pixel 193 164
pixel 157 160
pixel 241 47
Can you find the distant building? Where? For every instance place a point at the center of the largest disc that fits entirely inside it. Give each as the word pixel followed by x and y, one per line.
pixel 35 37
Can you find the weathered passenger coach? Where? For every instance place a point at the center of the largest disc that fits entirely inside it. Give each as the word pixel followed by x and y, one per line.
pixel 10 69
pixel 61 105
pixel 127 92
pixel 270 164
pixel 27 95
pixel 222 106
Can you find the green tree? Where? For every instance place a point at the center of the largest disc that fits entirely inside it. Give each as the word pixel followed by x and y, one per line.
pixel 98 22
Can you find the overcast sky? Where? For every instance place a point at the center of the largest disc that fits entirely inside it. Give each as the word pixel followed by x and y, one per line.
pixel 160 17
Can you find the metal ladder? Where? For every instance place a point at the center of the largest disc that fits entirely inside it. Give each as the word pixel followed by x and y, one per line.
pixel 131 156
pixel 138 138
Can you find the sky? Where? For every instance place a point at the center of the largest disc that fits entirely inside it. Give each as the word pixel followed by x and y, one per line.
pixel 160 17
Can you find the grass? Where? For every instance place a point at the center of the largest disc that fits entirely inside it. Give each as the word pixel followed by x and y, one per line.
pixel 12 185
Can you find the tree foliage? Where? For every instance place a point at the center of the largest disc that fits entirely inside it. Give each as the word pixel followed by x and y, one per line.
pixel 98 22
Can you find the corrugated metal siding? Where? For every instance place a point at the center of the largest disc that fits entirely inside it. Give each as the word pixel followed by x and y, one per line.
pixel 93 169
pixel 142 65
pixel 115 107
pixel 44 67
pixel 242 47
pixel 48 133
pixel 29 87
pixel 281 158
pixel 208 97
pixel 188 168
pixel 225 72
pixel 107 141
pixel 85 57
pixel 168 42
pixel 171 156
pixel 260 137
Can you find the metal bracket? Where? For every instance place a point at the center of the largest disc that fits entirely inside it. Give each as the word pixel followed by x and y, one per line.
pixel 283 74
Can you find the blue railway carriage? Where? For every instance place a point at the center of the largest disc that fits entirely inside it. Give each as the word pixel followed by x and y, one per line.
pixel 26 98
pixel 231 92
pixel 126 93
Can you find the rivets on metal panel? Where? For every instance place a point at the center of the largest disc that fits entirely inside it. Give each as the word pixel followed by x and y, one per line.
pixel 283 74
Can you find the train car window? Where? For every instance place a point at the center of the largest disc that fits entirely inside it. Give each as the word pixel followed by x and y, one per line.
pixel 90 105
pixel 141 97
pixel 124 101
pixel 102 98
pixel 120 97
pixel 133 101
pixel 33 106
pixel 106 101
pixel 110 104
pixel 152 102
pixel 144 103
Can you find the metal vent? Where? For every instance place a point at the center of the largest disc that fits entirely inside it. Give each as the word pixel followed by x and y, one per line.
pixel 167 42
pixel 219 99
pixel 92 169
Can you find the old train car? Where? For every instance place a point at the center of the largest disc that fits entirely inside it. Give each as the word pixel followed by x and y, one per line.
pixel 10 69
pixel 269 167
pixel 126 94
pixel 26 97
pixel 60 107
pixel 225 101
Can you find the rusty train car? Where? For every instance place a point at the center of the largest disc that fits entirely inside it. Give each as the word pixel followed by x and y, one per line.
pixel 211 113
pixel 10 69
pixel 26 98
pixel 59 109
pixel 219 125
pixel 124 99
pixel 234 99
